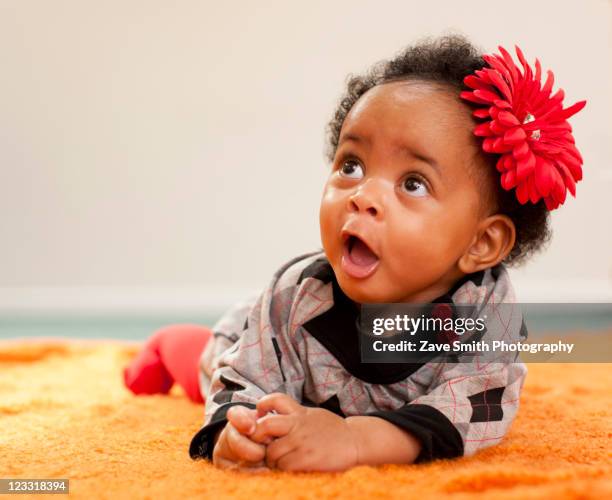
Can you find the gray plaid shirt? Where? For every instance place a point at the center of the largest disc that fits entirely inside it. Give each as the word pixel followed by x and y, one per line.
pixel 299 337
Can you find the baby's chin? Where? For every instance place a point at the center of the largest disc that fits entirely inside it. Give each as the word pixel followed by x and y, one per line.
pixel 364 291
pixel 371 290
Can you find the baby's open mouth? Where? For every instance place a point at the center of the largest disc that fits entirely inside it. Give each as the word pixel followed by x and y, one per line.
pixel 358 260
pixel 359 252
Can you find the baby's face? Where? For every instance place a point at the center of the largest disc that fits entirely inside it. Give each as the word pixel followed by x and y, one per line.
pixel 402 181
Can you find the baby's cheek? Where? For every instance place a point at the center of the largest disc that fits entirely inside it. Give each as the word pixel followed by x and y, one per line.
pixel 446 235
pixel 328 220
pixel 417 263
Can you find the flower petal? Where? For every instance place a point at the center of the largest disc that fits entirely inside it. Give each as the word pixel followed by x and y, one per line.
pixel 481 113
pixel 567 178
pixel 483 130
pixel 486 95
pixel 526 67
pixel 514 135
pixel 508 180
pixel 497 128
pixel 522 192
pixel 573 109
pixel 525 167
pixel 487 145
pixel 465 94
pixel 534 195
pixel 509 63
pixel 550 203
pixel 501 85
pixel 543 178
pixel 558 189
pixel 507 119
pixel 502 104
pixel 475 82
pixel 521 150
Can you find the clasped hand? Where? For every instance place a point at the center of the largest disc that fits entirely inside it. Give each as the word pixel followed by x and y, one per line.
pixel 282 434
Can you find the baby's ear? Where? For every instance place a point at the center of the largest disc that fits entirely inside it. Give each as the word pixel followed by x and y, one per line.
pixel 492 242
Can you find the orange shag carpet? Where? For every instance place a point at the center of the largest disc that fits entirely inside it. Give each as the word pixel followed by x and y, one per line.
pixel 64 413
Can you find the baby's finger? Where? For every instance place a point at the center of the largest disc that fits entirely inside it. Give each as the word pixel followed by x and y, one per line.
pixel 225 463
pixel 251 468
pixel 243 419
pixel 258 470
pixel 272 426
pixel 279 402
pixel 277 449
pixel 242 448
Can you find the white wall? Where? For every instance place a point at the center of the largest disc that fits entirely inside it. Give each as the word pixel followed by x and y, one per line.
pixel 170 154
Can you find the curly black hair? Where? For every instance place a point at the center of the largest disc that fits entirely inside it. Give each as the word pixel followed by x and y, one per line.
pixel 446 61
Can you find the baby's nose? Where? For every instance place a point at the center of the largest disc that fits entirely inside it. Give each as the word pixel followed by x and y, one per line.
pixel 367 198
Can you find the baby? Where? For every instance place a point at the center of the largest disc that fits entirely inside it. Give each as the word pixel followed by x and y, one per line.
pixel 413 211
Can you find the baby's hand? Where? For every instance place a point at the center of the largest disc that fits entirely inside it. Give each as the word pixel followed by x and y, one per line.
pixel 235 448
pixel 269 427
pixel 308 439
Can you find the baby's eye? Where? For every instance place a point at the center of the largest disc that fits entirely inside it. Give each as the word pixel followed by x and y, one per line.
pixel 415 187
pixel 351 169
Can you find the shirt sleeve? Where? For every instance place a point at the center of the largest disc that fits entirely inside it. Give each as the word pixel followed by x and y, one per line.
pixel 470 407
pixel 226 332
pixel 261 361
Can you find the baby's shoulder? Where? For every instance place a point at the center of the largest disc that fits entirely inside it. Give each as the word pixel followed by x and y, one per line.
pixel 301 288
pixel 296 271
pixel 491 285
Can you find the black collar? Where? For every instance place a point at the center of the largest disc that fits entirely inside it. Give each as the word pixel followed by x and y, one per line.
pixel 337 328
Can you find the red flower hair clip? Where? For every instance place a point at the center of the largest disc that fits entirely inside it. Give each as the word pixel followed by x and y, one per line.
pixel 528 127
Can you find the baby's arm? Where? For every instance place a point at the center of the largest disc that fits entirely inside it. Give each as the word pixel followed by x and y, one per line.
pixel 259 362
pixel 381 442
pixel 469 407
pixel 311 439
pixel 307 439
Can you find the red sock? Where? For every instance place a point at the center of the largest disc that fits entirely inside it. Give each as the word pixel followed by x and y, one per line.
pixel 170 355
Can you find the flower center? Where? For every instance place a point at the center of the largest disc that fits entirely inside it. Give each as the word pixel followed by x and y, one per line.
pixel 528 119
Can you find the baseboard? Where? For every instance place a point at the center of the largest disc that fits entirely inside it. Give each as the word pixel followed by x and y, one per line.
pixel 136 312
pixel 209 300
pixel 137 301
